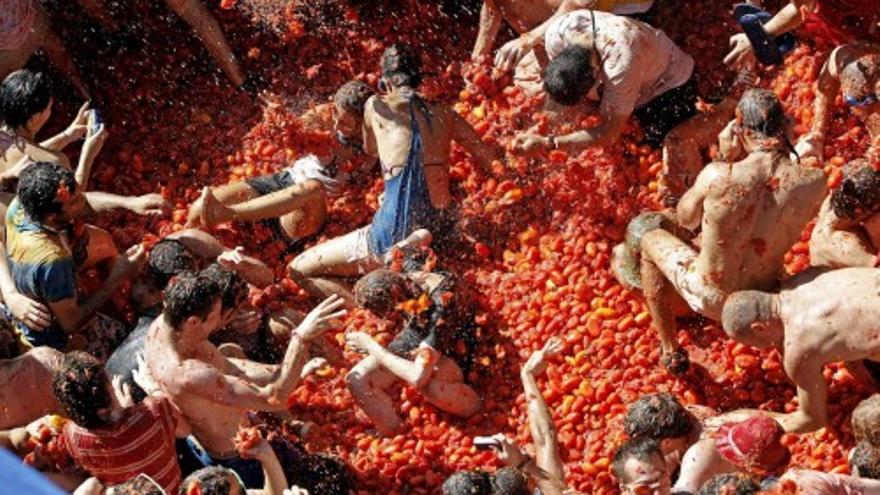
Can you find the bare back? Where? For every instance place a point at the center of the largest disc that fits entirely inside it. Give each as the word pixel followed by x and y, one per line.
pixel 754 211
pixel 525 15
pixel 26 387
pixel 833 316
pixel 213 424
pixel 387 134
pixel 35 153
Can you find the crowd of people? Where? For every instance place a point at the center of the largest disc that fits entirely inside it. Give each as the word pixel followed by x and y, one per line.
pixel 194 397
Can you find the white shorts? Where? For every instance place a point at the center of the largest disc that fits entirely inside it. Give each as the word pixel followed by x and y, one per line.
pixel 357 246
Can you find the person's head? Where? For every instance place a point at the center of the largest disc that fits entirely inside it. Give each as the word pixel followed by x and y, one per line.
pixel 192 305
pixel 140 485
pixel 401 67
pixel 82 389
pixel 864 461
pixel 660 417
pixel 167 258
pixel 860 83
pixel 349 102
pixel 505 481
pixel 760 115
pixel 569 77
pixel 49 194
pixel 753 445
pixel 320 473
pixel 233 289
pixel 730 484
pixel 380 291
pixel 866 420
pixel 213 480
pixel 25 100
pixel 858 196
pixel 640 468
pixel 752 317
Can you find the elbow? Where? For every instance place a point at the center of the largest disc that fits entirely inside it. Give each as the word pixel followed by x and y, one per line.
pixel 421 379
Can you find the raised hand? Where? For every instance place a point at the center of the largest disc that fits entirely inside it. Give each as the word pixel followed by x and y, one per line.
pixel 511 53
pixel 537 362
pixel 320 318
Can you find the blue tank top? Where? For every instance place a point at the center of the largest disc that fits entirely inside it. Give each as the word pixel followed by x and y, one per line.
pixel 406 206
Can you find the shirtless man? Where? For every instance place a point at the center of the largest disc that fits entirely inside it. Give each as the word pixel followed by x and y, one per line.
pixel 750 213
pixel 212 391
pixel 412 139
pixel 24 30
pixel 524 16
pixel 854 71
pixel 26 387
pixel 817 318
pixel 848 230
pixel 293 201
pixel 422 354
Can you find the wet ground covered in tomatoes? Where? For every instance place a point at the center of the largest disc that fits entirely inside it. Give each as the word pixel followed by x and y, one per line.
pixel 540 265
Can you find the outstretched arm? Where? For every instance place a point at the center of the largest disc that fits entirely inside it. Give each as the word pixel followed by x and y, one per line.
pixel 835 244
pixel 230 390
pixel 541 421
pixel 827 87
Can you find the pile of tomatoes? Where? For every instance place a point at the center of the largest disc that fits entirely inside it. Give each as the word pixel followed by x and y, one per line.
pixel 541 229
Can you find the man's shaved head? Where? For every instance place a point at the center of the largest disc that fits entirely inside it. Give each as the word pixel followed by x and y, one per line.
pixel 861 76
pixel 744 309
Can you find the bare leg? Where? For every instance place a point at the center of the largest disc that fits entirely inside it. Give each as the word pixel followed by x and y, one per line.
pixel 448 392
pixel 660 296
pixel 208 30
pixel 333 260
pixel 367 382
pixel 682 148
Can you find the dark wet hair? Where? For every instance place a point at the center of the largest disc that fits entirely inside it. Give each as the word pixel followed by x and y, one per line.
pixel 321 473
pixel 352 96
pixel 863 71
pixel 81 389
pixel 138 486
pixel 402 66
pixel 189 294
pixel 23 94
pixel 569 76
pixel 866 459
pixel 642 449
pixel 730 484
pixel 380 290
pixel 233 288
pixel 38 187
pixel 657 416
pixel 859 190
pixel 506 481
pixel 742 309
pixel 762 112
pixel 168 258
pixel 866 420
pixel 212 480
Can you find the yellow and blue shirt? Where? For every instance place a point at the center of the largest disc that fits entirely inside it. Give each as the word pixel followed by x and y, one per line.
pixel 42 267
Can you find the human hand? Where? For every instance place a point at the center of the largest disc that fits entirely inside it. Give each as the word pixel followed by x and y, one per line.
pixel 143 378
pixel 90 486
pixel 512 52
pixel 295 490
pixel 28 311
pixel 78 128
pixel 320 318
pixel 208 211
pixel 742 54
pixel 508 451
pixel 528 142
pixel 359 342
pixel 95 140
pixel 152 204
pixel 130 263
pixel 245 321
pixel 537 362
pixel 122 392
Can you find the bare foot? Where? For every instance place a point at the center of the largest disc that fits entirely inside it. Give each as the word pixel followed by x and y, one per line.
pixel 676 362
pixel 537 364
pixel 313 365
pixel 213 211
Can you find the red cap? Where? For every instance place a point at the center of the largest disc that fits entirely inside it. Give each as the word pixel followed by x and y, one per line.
pixel 753 444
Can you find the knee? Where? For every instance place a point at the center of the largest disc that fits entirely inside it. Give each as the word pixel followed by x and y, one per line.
pixel 300 267
pixel 357 381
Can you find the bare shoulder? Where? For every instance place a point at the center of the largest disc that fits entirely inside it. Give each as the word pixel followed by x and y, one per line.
pixel 47 356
